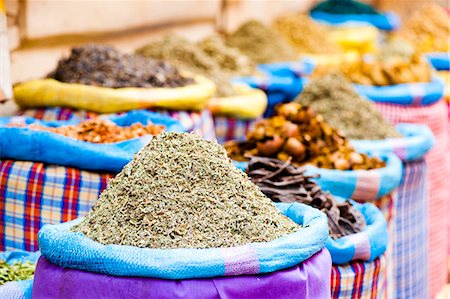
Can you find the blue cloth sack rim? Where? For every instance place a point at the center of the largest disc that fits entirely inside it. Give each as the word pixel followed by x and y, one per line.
pixel 439 60
pixel 387 21
pixel 74 250
pixel 342 250
pixel 25 144
pixel 417 141
pixel 402 94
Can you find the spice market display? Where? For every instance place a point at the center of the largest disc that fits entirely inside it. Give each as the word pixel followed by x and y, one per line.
pixel 234 149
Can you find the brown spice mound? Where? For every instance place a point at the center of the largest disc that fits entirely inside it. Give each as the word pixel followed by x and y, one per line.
pixel 296 132
pixel 181 191
pixel 105 66
pixel 98 130
pixel 282 181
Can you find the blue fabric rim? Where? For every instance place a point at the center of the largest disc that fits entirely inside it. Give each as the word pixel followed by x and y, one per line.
pixel 388 21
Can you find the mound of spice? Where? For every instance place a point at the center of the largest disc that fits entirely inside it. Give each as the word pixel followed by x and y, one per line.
pixel 334 97
pixel 107 67
pixel 306 35
pixel 261 43
pixel 187 55
pixel 428 29
pixel 283 182
pixel 230 60
pixel 16 271
pixel 344 7
pixel 295 133
pixel 99 130
pixel 395 49
pixel 181 191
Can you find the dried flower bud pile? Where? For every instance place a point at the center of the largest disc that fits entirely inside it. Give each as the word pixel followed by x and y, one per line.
pixel 334 97
pixel 283 182
pixel 105 66
pixel 16 271
pixel 428 29
pixel 306 35
pixel 98 130
pixel 181 191
pixel 296 132
pixel 261 43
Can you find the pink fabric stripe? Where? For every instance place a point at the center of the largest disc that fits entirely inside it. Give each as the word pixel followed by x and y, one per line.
pixel 362 246
pixel 418 92
pixel 367 186
pixel 240 260
pixel 399 148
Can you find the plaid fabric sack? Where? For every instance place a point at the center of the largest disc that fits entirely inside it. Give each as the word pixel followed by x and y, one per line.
pixel 34 194
pixel 200 122
pixel 409 239
pixel 359 280
pixel 229 128
pixel 437 160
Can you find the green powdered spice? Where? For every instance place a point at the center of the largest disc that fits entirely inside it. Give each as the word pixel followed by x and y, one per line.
pixel 344 7
pixel 187 55
pixel 16 271
pixel 396 49
pixel 334 98
pixel 181 191
pixel 230 60
pixel 261 43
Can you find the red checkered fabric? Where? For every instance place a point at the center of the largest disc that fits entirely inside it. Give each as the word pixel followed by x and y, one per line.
pixel 355 280
pixel 34 194
pixel 435 116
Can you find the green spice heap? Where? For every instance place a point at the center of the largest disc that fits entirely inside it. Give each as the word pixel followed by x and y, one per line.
pixel 181 191
pixel 345 7
pixel 17 271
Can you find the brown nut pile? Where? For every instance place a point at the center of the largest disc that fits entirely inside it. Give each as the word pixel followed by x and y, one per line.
pixel 428 29
pixel 283 182
pixel 296 132
pixel 98 130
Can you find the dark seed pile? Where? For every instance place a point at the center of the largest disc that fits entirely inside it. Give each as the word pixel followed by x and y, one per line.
pixel 283 182
pixel 105 66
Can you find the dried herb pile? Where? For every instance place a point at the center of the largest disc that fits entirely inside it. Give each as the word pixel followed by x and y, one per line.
pixel 306 35
pixel 428 29
pixel 230 60
pixel 261 43
pixel 99 130
pixel 333 97
pixel 17 271
pixel 344 7
pixel 181 191
pixel 105 66
pixel 187 55
pixel 395 49
pixel 295 133
pixel 283 182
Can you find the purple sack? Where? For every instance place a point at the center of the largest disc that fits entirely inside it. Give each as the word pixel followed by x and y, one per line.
pixel 310 279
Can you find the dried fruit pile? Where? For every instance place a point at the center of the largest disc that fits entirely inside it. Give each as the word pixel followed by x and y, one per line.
pixel 16 271
pixel 283 182
pixel 181 191
pixel 98 130
pixel 306 35
pixel 428 29
pixel 334 97
pixel 105 66
pixel 296 132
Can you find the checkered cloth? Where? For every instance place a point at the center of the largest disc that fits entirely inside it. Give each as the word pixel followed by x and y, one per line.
pixel 200 122
pixel 359 280
pixel 228 128
pixel 435 116
pixel 34 194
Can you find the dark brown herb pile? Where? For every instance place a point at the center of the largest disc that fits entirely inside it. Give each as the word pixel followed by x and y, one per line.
pixel 296 132
pixel 105 66
pixel 182 191
pixel 283 182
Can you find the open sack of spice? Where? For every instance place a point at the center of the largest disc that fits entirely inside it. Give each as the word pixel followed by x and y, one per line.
pixel 337 12
pixel 102 79
pixel 103 143
pixel 178 211
pixel 16 273
pixel 296 132
pixel 214 59
pixel 358 232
